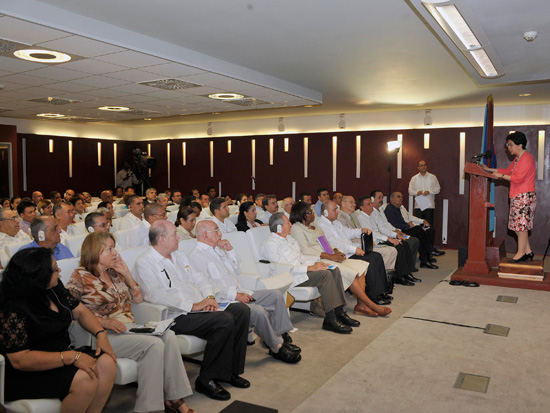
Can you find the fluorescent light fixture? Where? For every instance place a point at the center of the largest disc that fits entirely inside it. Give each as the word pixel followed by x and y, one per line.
pixel 42 56
pixel 451 19
pixel 114 108
pixel 393 145
pixel 225 96
pixel 50 115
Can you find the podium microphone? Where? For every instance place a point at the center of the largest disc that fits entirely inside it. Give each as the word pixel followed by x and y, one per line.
pixel 483 155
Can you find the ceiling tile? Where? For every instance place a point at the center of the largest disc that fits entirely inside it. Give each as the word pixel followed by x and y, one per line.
pixel 13 64
pixel 105 93
pixel 57 73
pixel 71 87
pixel 92 66
pixel 174 70
pixel 22 31
pixel 82 46
pixel 26 79
pixel 101 81
pixel 132 59
pixel 134 75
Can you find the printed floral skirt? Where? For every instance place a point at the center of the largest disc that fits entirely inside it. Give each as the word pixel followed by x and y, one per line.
pixel 522 211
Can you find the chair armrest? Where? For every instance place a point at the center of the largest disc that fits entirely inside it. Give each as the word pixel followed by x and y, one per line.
pixel 272 269
pixel 144 312
pixel 2 381
pixel 281 282
pixel 249 281
pixel 81 337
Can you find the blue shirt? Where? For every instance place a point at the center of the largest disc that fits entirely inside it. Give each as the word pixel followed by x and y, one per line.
pixel 317 207
pixel 60 251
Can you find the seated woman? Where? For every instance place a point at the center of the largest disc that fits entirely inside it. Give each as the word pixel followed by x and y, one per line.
pixel 353 271
pixel 45 207
pixel 247 217
pixel 6 203
pixel 241 199
pixel 105 285
pixel 35 314
pixel 79 208
pixel 14 201
pixel 185 222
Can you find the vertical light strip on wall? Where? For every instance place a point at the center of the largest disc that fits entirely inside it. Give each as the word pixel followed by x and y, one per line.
pixel 445 221
pixel 306 146
pixel 229 146
pixel 462 161
pixel 211 159
pixel 399 156
pixel 24 155
pixel 220 188
pixel 358 156
pixel 253 147
pixel 271 151
pixel 99 154
pixel 293 190
pixel 426 141
pixel 334 157
pixel 70 159
pixel 540 166
pixel 149 153
pixel 115 151
pixel 184 152
pixel 51 145
pixel 168 161
pixel 286 144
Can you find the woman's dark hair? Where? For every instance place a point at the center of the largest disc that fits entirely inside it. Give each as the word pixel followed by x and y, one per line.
pixel 186 201
pixel 184 212
pixel 239 197
pixel 245 207
pixel 298 212
pixel 518 138
pixel 102 204
pixel 194 205
pixel 27 276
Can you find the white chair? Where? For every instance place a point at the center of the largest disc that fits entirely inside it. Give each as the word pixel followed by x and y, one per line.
pixel 233 219
pixel 116 207
pixel 233 209
pixel 116 223
pixel 186 246
pixel 172 208
pixel 75 243
pixel 78 228
pixel 119 213
pixel 302 295
pixel 172 216
pixel 123 237
pixel 11 249
pixel 67 266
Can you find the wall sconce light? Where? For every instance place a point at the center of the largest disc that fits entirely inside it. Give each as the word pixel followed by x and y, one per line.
pixel 51 145
pixel 342 123
pixel 281 126
pixel 426 141
pixel 428 118
pixel 286 144
pixel 229 146
pixel 209 129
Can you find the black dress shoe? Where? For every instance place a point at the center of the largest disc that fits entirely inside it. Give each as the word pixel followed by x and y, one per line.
pixel 403 281
pixel 336 326
pixel 292 347
pixel 345 319
pixel 414 269
pixel 212 390
pixel 287 338
pixel 413 279
pixel 437 252
pixel 284 354
pixel 387 297
pixel 237 381
pixel 432 259
pixel 381 301
pixel 428 265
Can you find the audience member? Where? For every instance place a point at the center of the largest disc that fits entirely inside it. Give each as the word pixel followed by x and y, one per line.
pixel 270 206
pixel 247 217
pixel 44 207
pixel 307 271
pixel 166 278
pixel 287 206
pixel 163 199
pixel 196 193
pixel 107 205
pixel 241 199
pixel 87 198
pixel 55 197
pixel 337 198
pixel 196 207
pixel 69 195
pixel 220 213
pixel 14 201
pixel 212 193
pixel 125 177
pixel 36 312
pixel 185 223
pixel 106 196
pixel 79 208
pixel 150 196
pixel 10 233
pixel 108 216
pixel 176 197
pixel 36 197
pixel 27 212
pixel 6 203
pixel 259 200
pixel 216 260
pixel 135 216
pixel 96 222
pixel 306 197
pixel 119 192
pixel 140 234
pixel 322 196
pixel 63 213
pixel 47 234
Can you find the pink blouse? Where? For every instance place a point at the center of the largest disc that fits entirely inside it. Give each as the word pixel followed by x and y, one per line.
pixel 522 176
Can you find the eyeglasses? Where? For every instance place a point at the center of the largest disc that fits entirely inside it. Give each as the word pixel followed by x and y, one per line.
pixel 309 212
pixel 160 215
pixel 15 218
pixel 215 230
pixel 509 144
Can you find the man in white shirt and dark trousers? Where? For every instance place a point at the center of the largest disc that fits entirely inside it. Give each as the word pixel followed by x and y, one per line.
pixel 216 260
pixel 165 278
pixel 425 184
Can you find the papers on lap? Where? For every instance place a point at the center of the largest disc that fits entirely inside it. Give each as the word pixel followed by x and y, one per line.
pixel 160 327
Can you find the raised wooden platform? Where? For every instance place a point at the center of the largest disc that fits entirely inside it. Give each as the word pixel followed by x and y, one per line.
pixel 528 271
pixel 494 279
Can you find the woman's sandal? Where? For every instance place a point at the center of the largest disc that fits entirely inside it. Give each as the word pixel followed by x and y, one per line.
pixel 175 406
pixel 364 311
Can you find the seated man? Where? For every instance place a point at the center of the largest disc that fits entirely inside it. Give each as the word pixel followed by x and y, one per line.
pixel 220 215
pixel 55 197
pixel 150 196
pixel 107 196
pixel 135 216
pixel 140 234
pixel 176 197
pixel 345 217
pixel 340 237
pixel 36 197
pixel 9 233
pixel 69 195
pixel 165 278
pixel 63 213
pixel 212 193
pixel 205 204
pixel 270 206
pixel 46 233
pixel 287 206
pixel 395 217
pixel 96 222
pixel 27 212
pixel 216 259
pixel 259 200
pixel 307 271
pixel 322 196
pixel 163 199
pixel 381 235
pixel 337 197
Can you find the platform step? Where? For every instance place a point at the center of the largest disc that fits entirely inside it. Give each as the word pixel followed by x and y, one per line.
pixel 531 270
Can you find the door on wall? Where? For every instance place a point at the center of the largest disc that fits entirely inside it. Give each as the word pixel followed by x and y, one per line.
pixel 5 170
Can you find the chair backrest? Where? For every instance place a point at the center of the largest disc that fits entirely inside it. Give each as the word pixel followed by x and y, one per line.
pixel 131 255
pixel 172 208
pixel 116 207
pixel 67 266
pixel 12 248
pixel 123 237
pixel 256 238
pixel 233 219
pixel 186 246
pixel 233 209
pixel 79 228
pixel 239 242
pixel 119 213
pixel 74 243
pixel 172 216
pixel 116 223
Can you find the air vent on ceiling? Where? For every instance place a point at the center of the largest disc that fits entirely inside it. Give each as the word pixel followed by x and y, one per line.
pixel 7 46
pixel 140 112
pixel 248 102
pixel 169 84
pixel 5 110
pixel 55 101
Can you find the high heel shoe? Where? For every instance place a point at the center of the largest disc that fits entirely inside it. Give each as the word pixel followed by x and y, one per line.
pixel 529 256
pixel 516 261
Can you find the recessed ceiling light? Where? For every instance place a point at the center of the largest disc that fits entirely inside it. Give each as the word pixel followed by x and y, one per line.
pixel 42 56
pixel 50 115
pixel 147 119
pixel 524 94
pixel 308 106
pixel 225 96
pixel 215 113
pixel 114 108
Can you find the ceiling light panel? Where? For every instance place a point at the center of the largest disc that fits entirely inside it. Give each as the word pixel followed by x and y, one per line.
pixel 42 56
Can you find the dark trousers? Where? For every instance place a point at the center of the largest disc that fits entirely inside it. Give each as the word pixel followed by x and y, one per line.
pixel 225 333
pixel 330 286
pixel 425 248
pixel 405 263
pixel 375 278
pixel 427 214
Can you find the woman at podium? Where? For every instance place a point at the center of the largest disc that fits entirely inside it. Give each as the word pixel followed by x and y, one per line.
pixel 523 199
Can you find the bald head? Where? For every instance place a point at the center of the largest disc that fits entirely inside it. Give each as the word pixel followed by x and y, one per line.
pixel 329 210
pixel 163 237
pixel 203 227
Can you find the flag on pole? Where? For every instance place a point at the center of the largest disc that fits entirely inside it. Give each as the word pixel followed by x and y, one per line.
pixel 487 143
